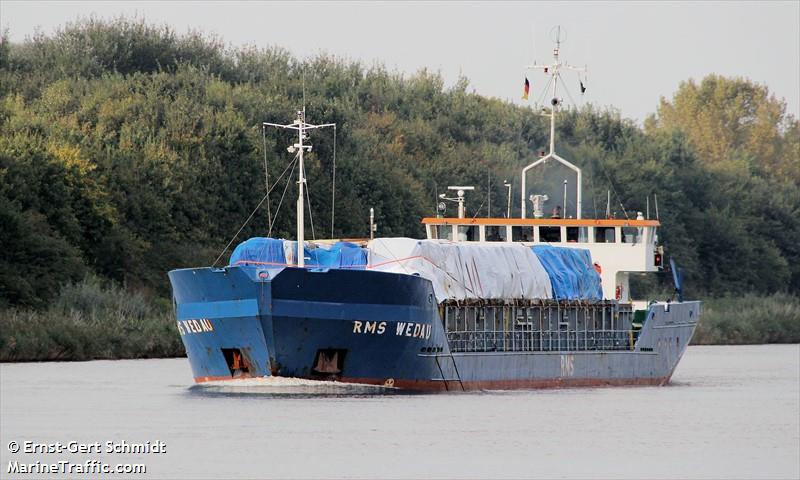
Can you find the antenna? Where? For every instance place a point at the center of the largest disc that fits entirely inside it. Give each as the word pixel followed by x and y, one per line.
pixel 372 226
pixel 508 185
pixel 301 127
pixel 655 200
pixel 489 192
pixel 559 36
pixel 304 91
pixel 436 199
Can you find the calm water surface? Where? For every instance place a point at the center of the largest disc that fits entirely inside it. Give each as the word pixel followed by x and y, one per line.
pixel 730 412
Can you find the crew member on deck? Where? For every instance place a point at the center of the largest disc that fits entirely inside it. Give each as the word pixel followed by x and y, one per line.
pixel 556 212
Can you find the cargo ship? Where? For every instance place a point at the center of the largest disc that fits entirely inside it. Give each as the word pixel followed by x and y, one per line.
pixel 480 303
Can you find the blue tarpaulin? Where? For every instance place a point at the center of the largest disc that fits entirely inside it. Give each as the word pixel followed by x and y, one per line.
pixel 339 255
pixel 259 250
pixel 271 251
pixel 571 272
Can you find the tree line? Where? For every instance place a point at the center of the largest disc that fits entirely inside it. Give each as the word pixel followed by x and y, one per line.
pixel 127 150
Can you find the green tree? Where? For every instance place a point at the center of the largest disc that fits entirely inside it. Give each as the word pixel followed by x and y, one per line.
pixel 723 116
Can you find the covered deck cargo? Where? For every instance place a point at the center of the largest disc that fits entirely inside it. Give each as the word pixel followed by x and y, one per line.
pixel 460 271
pixel 279 252
pixel 571 272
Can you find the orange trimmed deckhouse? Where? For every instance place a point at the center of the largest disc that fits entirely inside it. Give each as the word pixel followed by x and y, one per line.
pixel 618 246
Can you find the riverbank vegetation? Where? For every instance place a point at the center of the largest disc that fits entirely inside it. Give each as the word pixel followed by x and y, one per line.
pixel 91 319
pixel 127 150
pixel 750 319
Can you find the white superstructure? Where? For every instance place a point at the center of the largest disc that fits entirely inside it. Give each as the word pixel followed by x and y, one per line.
pixel 617 246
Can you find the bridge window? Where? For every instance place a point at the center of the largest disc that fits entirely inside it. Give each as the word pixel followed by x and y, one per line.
pixel 442 232
pixel 549 234
pixel 522 234
pixel 604 235
pixel 496 233
pixel 632 234
pixel 577 234
pixel 467 233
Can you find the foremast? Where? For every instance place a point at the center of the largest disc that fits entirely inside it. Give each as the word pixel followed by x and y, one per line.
pixel 301 126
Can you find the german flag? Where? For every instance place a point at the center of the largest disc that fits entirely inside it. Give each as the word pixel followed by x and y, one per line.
pixel 526 90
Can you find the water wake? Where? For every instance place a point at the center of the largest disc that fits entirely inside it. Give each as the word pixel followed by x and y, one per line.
pixel 289 386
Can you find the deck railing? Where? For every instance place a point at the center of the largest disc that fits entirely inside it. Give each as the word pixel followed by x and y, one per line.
pixel 546 326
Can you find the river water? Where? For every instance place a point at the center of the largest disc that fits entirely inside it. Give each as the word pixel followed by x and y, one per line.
pixel 730 412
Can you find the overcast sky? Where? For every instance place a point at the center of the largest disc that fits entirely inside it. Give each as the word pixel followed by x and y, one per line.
pixel 636 52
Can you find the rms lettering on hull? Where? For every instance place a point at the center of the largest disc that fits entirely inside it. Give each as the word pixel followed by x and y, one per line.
pixel 199 325
pixel 402 329
pixel 374 328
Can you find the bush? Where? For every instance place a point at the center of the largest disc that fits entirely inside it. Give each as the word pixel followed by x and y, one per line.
pixel 750 319
pixel 90 320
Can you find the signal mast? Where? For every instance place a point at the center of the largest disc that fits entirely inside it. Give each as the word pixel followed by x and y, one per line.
pixel 301 127
pixel 554 70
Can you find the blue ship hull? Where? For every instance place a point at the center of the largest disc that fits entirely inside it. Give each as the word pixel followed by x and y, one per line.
pixel 386 329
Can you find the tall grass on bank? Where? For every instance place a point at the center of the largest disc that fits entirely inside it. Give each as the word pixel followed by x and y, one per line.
pixel 91 320
pixel 748 319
